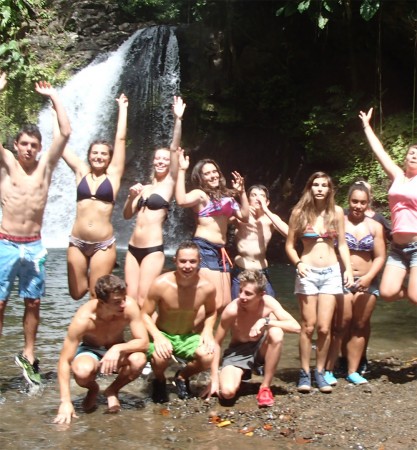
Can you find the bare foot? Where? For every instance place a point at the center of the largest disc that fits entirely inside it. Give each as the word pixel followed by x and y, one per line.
pixel 113 404
pixel 90 402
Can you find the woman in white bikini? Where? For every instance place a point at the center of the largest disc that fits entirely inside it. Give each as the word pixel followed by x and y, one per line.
pixel 92 249
pixel 402 196
pixel 318 222
pixel 145 256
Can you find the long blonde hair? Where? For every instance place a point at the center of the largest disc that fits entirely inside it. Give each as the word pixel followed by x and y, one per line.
pixel 305 211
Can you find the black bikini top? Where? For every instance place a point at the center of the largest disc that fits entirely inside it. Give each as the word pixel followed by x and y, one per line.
pixel 153 202
pixel 104 192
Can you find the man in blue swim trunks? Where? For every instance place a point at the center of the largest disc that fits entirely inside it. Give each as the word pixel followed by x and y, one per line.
pixel 178 297
pixel 24 184
pixel 95 344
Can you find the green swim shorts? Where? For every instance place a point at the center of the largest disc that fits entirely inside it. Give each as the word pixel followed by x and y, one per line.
pixel 184 345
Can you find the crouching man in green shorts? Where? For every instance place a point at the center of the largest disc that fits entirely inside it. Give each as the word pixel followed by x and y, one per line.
pixel 257 323
pixel 95 344
pixel 177 297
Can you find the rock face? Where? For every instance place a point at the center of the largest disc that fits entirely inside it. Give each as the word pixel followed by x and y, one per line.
pixel 81 30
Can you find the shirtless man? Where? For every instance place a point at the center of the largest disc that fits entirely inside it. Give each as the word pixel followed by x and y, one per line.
pixel 257 323
pixel 253 237
pixel 95 343
pixel 24 184
pixel 177 297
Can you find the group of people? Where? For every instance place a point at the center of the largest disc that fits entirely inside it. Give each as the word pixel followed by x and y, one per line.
pixel 173 315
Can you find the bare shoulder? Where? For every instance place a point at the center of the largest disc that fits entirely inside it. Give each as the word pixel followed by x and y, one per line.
pixel 339 211
pixel 231 310
pixel 85 316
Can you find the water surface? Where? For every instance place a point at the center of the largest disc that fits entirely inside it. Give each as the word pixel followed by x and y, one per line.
pixel 27 419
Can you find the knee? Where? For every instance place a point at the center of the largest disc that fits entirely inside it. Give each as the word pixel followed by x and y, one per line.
pixel 83 371
pixel 275 336
pixel 228 391
pixel 323 330
pixel 137 361
pixel 205 359
pixel 308 329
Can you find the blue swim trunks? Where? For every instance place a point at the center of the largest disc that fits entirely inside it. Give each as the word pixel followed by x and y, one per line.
pixel 26 261
pixel 95 352
pixel 213 256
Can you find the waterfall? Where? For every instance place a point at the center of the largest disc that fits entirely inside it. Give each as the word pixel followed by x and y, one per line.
pixel 146 69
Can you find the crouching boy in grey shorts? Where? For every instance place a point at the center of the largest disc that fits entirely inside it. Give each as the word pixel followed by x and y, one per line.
pixel 257 323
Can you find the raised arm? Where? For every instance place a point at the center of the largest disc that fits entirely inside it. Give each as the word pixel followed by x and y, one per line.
pixel 178 109
pixel 184 199
pixel 117 164
pixel 239 185
pixel 389 166
pixel 59 140
pixel 277 222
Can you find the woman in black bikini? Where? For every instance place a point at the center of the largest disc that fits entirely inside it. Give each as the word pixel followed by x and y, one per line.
pixel 145 256
pixel 92 248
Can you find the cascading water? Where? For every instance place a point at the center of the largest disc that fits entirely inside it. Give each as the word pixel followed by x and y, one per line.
pixel 146 69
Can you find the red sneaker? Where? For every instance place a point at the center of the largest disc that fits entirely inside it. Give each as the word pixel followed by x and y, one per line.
pixel 265 397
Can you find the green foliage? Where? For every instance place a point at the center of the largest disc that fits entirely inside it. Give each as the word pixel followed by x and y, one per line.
pixel 325 128
pixel 322 11
pixel 160 10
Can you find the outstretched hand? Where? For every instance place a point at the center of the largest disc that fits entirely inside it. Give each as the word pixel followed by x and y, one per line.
pixel 238 182
pixel 65 413
pixel 3 80
pixel 45 88
pixel 183 161
pixel 122 101
pixel 178 107
pixel 366 117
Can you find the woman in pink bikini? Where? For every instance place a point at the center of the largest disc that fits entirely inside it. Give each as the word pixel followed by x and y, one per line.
pixel 213 204
pixel 145 256
pixel 319 223
pixel 92 249
pixel 402 196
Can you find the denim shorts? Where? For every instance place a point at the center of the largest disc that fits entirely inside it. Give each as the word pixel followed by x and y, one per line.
pixel 26 261
pixel 213 256
pixel 403 256
pixel 236 284
pixel 373 288
pixel 323 280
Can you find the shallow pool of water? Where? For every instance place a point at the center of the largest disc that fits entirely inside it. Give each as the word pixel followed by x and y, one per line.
pixel 27 419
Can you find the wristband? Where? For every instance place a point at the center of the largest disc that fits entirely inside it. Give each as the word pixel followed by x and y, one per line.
pixel 267 319
pixel 298 262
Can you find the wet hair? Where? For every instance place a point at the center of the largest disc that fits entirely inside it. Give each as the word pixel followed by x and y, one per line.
pixel 359 186
pixel 261 187
pixel 101 142
pixel 253 276
pixel 198 182
pixel 107 285
pixel 305 210
pixel 186 245
pixel 31 130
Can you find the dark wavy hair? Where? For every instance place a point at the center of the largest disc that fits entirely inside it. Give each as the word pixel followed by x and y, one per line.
pixel 199 183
